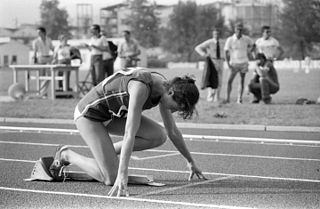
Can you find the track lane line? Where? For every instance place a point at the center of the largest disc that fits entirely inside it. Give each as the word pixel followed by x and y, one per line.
pixel 185 186
pixel 202 137
pixel 187 172
pixel 166 202
pixel 174 153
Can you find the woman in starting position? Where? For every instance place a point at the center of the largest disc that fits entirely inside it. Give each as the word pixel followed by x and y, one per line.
pixel 115 107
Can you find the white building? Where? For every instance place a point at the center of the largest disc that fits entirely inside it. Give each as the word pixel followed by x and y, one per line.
pixel 13 52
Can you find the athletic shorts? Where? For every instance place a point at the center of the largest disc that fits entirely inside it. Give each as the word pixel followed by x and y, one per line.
pixel 241 67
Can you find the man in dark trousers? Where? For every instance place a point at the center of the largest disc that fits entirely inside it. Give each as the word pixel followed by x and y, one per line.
pixel 212 75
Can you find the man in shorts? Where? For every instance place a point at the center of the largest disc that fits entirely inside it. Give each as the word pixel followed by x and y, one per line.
pixel 237 49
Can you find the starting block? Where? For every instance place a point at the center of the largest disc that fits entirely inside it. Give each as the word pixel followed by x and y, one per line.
pixel 40 172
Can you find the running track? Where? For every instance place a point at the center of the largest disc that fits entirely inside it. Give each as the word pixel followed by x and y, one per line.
pixel 245 168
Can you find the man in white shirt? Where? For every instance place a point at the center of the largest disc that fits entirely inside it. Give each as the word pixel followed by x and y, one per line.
pixel 268 45
pixel 98 44
pixel 237 49
pixel 212 48
pixel 42 54
pixel 128 51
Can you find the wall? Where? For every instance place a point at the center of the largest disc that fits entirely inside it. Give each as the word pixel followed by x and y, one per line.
pixel 14 48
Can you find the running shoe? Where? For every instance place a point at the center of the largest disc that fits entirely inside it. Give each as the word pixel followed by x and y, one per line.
pixel 56 168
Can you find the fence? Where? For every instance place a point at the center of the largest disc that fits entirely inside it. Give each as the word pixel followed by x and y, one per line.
pixel 294 65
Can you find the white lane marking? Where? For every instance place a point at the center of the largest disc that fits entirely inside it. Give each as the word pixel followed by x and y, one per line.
pixel 231 174
pixel 205 173
pixel 257 143
pixel 203 137
pixel 167 202
pixel 191 184
pixel 134 157
pixel 175 153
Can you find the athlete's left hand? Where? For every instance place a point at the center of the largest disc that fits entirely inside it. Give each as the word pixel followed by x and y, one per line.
pixel 120 187
pixel 194 170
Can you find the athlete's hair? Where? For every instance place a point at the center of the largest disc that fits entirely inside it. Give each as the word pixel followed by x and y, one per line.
pixel 186 94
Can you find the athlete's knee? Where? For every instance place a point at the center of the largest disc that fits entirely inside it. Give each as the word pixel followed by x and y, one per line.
pixel 109 180
pixel 161 138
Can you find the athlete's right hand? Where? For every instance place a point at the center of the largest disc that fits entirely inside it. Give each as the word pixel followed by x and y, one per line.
pixel 120 187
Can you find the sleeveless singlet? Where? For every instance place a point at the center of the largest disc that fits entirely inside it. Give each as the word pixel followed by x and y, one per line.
pixel 110 98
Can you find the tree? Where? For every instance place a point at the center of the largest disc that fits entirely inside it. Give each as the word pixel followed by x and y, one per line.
pixel 55 20
pixel 181 33
pixel 300 26
pixel 189 25
pixel 144 22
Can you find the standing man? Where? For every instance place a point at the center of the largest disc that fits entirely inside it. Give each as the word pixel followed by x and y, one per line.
pixel 128 51
pixel 268 45
pixel 237 50
pixel 211 49
pixel 108 57
pixel 42 49
pixel 98 44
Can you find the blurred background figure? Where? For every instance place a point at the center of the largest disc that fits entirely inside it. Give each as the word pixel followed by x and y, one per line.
pixel 211 49
pixel 97 46
pixel 42 49
pixel 108 57
pixel 307 63
pixel 62 55
pixel 237 49
pixel 128 51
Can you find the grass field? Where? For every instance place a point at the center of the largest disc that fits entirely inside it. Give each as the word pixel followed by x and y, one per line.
pixel 283 111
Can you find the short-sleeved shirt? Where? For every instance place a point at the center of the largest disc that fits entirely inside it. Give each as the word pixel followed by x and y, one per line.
pixel 238 48
pixel 100 42
pixel 210 46
pixel 63 52
pixel 110 98
pixel 42 48
pixel 268 47
pixel 127 48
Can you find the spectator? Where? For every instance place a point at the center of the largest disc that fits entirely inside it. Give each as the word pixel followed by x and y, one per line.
pixel 237 50
pixel 211 49
pixel 128 51
pixel 268 45
pixel 42 49
pixel 108 58
pixel 98 44
pixel 62 55
pixel 264 81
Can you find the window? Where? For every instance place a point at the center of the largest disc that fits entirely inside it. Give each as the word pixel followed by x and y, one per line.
pixel 14 60
pixel 5 60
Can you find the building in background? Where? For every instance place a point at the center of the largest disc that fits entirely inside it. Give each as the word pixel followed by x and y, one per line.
pixel 256 13
pixel 253 13
pixel 13 52
pixel 112 18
